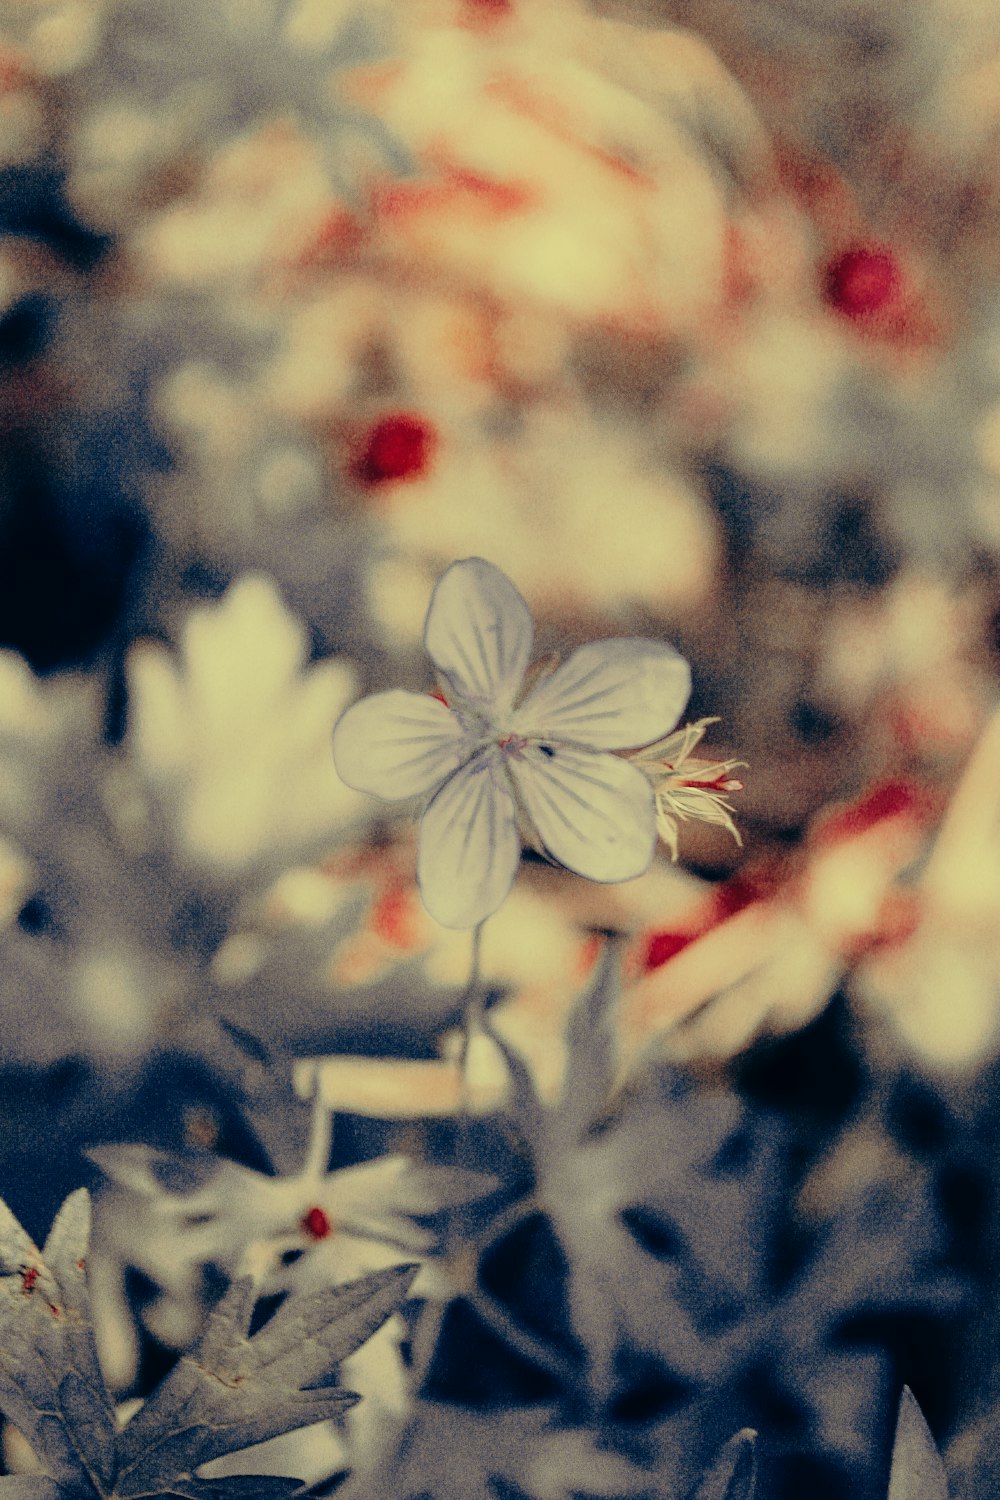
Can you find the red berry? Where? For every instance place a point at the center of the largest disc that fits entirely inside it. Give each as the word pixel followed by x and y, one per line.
pixel 862 281
pixel 316 1224
pixel 399 446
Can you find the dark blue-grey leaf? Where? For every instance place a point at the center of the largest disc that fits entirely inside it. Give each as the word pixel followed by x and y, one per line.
pixel 85 1417
pixel 236 1487
pixel 84 1399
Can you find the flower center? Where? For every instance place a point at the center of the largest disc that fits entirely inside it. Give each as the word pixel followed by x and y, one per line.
pixel 513 744
pixel 316 1224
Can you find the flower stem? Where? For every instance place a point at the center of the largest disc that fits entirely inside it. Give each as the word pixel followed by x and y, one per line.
pixel 472 1020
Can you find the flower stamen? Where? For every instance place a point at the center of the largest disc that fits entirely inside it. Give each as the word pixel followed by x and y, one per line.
pixel 685 789
pixel 513 744
pixel 721 783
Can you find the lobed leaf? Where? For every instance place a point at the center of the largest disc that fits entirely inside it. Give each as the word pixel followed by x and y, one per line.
pixel 51 1386
pixel 235 1389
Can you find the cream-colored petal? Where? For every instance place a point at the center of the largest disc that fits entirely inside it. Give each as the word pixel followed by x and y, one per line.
pixel 469 847
pixel 397 744
pixel 479 633
pixel 609 695
pixel 594 812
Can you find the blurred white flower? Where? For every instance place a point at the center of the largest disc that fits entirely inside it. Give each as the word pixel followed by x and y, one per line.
pixel 938 985
pixel 493 760
pixel 233 737
pixel 171 1217
pixel 549 524
pixel 565 164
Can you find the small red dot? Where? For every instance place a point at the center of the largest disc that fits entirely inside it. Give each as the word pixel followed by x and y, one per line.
pixel 316 1223
pixel 862 281
pixel 397 447
pixel 393 919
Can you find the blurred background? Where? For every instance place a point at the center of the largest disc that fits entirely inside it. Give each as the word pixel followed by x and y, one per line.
pixel 687 317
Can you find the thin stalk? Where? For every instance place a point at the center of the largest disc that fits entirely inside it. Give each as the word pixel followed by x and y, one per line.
pixel 473 1010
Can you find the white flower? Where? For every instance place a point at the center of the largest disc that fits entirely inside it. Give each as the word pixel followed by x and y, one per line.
pixel 495 760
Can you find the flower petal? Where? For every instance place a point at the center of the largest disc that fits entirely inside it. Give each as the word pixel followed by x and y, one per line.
pixel 594 813
pixel 397 744
pixel 479 632
pixel 469 847
pixel 609 695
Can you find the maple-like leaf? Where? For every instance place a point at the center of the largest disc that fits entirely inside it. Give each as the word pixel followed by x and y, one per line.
pixel 652 1198
pixel 51 1385
pixel 233 1390
pixel 639 1263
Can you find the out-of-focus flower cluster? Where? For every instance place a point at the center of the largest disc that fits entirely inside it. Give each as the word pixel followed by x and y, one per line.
pixel 685 317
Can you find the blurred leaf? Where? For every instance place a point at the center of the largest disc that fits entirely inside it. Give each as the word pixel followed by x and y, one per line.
pixel 653 1202
pixel 917 1470
pixel 28 1487
pixel 733 1476
pixel 454 1454
pixel 674 1199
